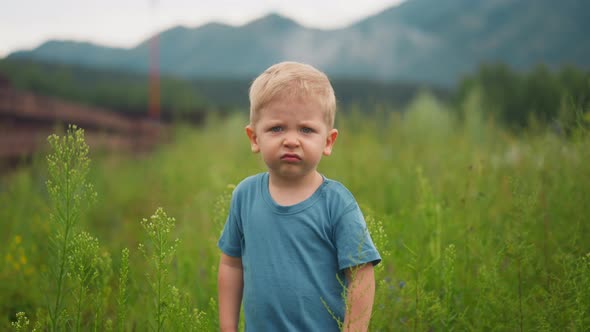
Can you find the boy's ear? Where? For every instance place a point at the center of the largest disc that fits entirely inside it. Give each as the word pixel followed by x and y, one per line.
pixel 253 139
pixel 330 140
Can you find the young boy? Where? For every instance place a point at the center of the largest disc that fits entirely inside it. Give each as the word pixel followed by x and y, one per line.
pixel 295 242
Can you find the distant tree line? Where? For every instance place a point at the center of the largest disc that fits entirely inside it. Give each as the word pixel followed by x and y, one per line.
pixel 129 93
pixel 120 91
pixel 518 99
pixel 514 98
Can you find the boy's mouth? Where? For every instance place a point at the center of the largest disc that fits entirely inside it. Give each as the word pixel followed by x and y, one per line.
pixel 290 157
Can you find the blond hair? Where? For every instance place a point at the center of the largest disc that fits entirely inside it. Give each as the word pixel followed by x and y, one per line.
pixel 291 80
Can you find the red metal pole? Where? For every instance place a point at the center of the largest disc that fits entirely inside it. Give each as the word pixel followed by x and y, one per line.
pixel 154 77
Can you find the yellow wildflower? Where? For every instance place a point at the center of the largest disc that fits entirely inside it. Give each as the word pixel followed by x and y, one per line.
pixel 18 239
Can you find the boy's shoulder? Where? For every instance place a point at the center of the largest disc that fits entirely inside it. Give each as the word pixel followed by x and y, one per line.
pixel 248 184
pixel 335 191
pixel 250 180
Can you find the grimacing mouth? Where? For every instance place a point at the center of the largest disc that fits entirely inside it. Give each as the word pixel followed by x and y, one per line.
pixel 290 155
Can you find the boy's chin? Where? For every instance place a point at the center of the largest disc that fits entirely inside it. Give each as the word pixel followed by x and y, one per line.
pixel 292 174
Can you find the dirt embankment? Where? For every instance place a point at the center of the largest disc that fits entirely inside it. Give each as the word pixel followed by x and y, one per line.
pixel 27 119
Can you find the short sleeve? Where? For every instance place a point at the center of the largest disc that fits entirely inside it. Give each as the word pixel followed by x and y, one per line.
pixel 352 239
pixel 230 241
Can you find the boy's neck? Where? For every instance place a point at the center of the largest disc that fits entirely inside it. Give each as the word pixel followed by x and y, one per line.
pixel 293 191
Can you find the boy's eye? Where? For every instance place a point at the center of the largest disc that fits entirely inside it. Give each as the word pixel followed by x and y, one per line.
pixel 276 129
pixel 306 130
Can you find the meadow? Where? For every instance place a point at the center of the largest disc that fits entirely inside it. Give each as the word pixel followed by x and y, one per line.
pixel 480 228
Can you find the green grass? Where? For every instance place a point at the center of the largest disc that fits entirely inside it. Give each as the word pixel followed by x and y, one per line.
pixel 480 229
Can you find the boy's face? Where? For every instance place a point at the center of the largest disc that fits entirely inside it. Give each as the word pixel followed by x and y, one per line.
pixel 292 136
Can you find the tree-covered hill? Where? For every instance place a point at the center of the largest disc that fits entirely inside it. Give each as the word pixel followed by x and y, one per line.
pixel 427 41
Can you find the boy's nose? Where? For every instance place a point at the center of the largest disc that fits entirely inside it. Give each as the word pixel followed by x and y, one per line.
pixel 291 141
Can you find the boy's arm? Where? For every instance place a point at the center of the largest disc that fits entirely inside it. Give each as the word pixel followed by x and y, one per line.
pixel 360 296
pixel 230 285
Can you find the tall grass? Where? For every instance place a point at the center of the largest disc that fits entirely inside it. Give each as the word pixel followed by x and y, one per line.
pixel 483 230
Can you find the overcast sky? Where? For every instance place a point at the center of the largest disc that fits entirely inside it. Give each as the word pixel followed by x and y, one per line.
pixel 25 24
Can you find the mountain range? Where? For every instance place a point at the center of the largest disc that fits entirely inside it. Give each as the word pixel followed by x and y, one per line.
pixel 428 41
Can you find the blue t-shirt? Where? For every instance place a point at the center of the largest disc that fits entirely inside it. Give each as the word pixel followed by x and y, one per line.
pixel 292 255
